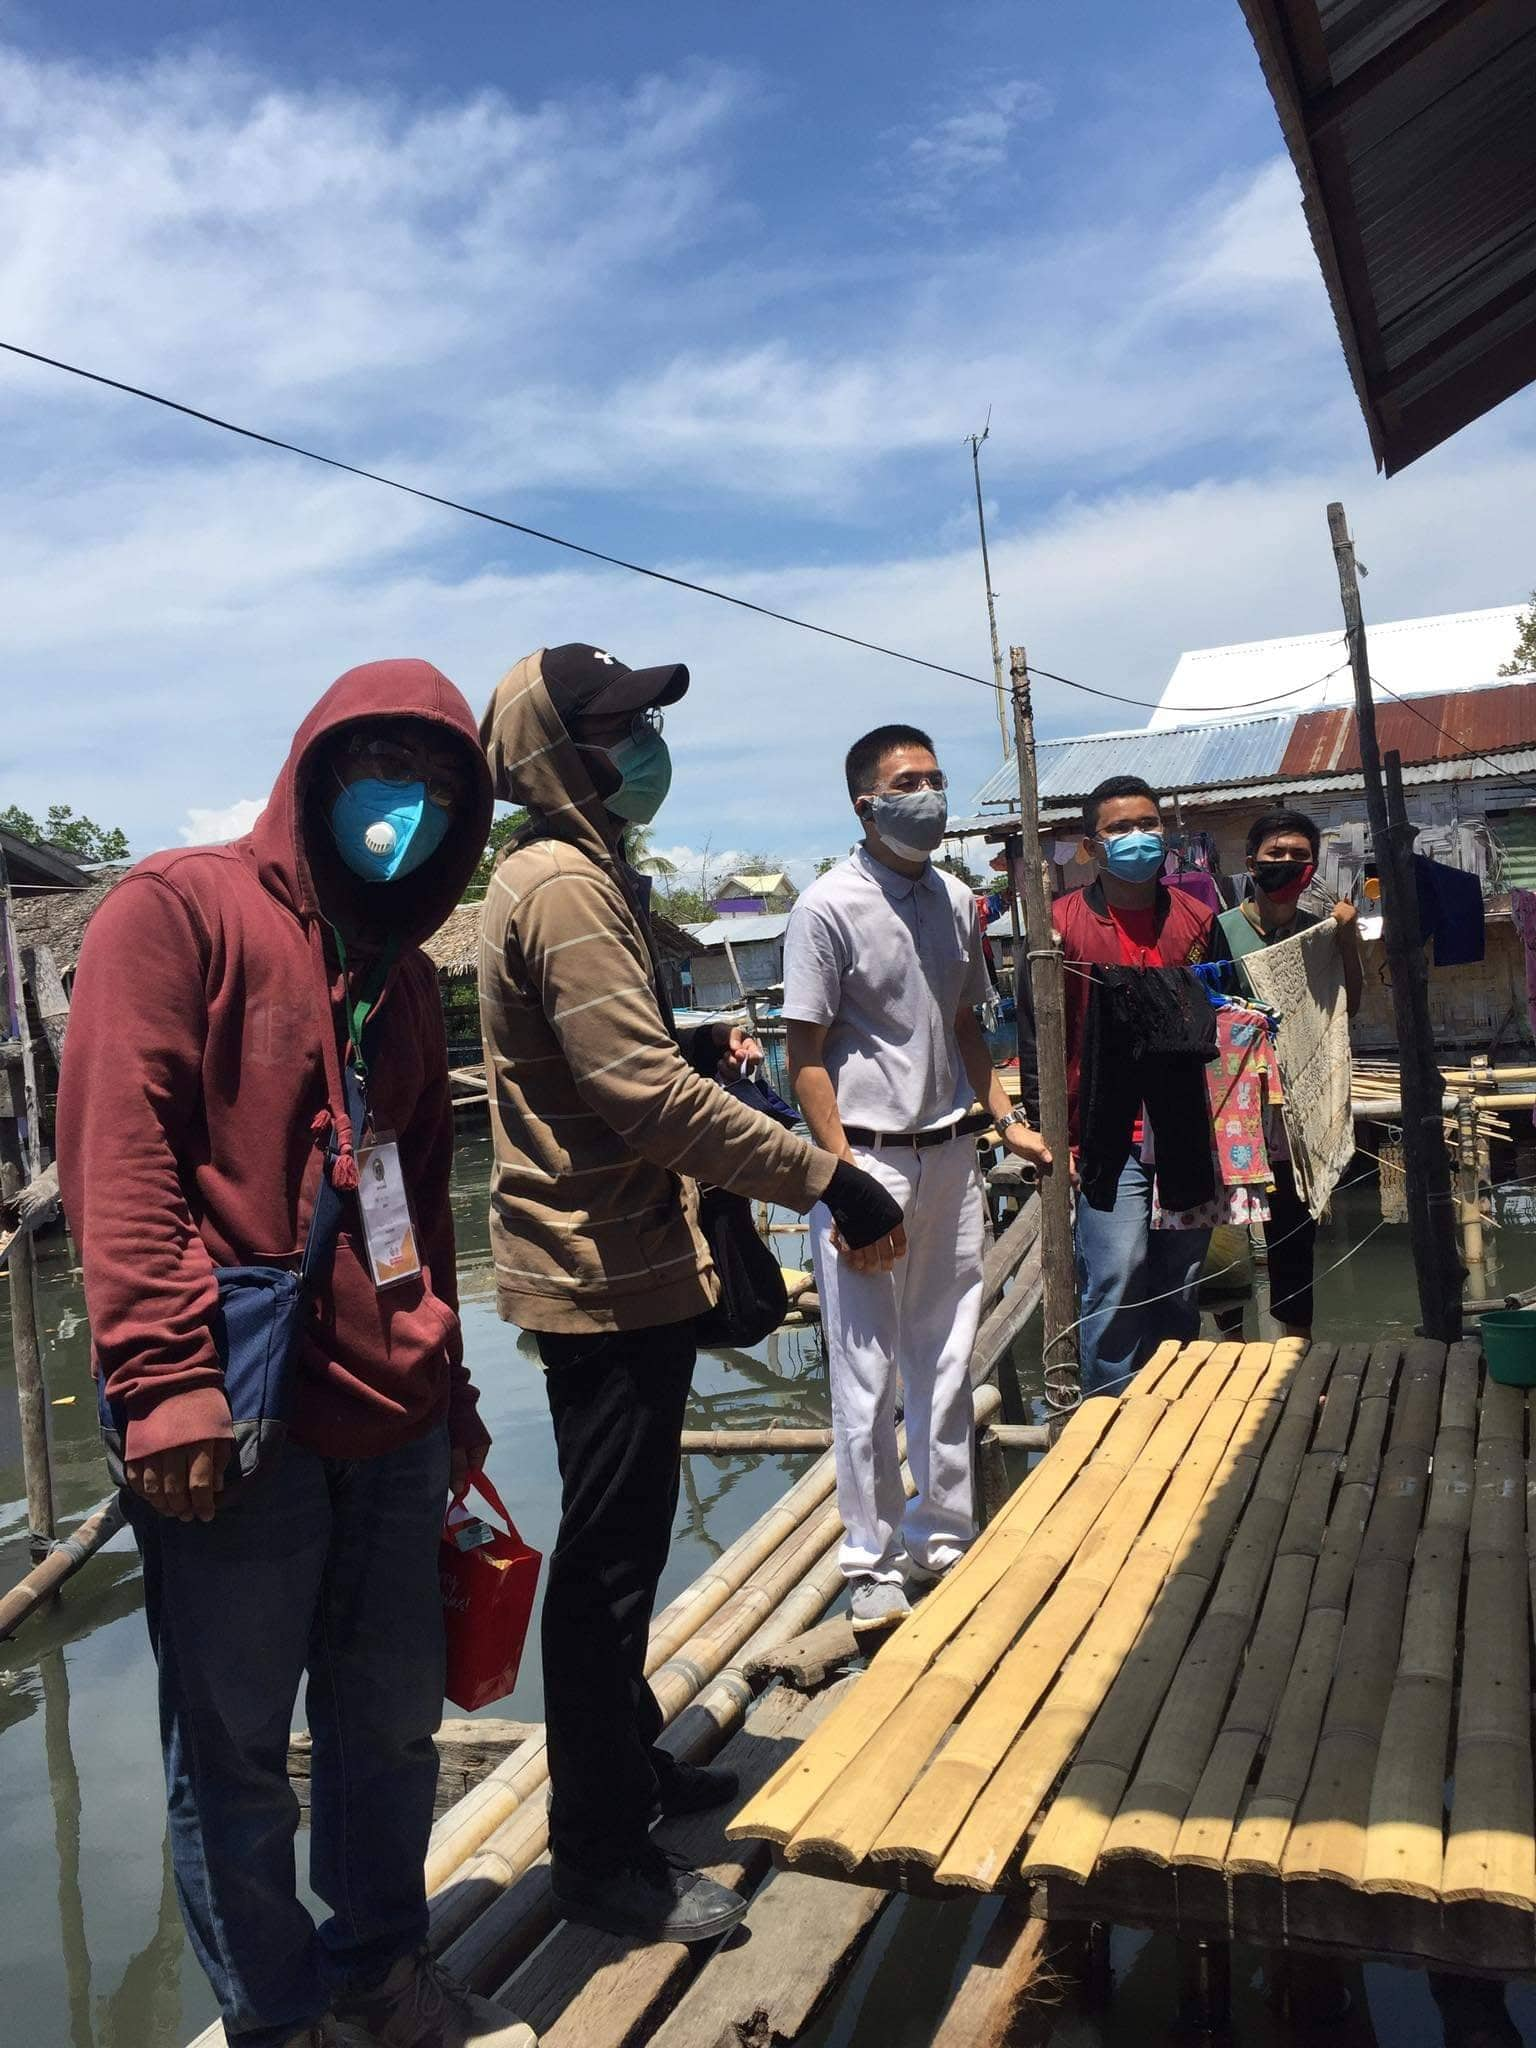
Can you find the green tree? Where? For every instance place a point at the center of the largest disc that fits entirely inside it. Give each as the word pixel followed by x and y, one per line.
pixel 640 854
pixel 501 831
pixel 952 864
pixel 82 837
pixel 826 864
pixel 1523 661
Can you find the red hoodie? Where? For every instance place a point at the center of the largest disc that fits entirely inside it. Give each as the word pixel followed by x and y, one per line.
pixel 202 1071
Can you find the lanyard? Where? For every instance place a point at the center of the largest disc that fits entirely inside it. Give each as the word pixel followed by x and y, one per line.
pixel 360 1007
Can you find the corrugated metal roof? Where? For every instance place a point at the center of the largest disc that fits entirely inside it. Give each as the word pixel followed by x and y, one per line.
pixel 1519 764
pixel 1176 759
pixel 1430 729
pixel 1411 131
pixel 1308 671
pixel 741 931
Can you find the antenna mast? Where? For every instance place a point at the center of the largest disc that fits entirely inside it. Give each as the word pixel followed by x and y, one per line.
pixel 1004 723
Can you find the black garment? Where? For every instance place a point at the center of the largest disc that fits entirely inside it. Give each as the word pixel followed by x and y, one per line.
pixel 1149 1034
pixel 1291 1236
pixel 618 1402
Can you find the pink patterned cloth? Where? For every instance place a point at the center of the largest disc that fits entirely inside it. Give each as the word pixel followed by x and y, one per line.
pixel 1241 1083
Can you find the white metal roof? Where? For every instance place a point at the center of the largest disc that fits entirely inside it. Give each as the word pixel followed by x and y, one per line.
pixel 741 931
pixel 1309 671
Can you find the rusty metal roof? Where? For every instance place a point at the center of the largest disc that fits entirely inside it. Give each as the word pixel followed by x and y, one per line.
pixel 1443 728
pixel 1412 126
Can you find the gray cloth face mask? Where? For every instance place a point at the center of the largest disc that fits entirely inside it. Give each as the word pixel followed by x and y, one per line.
pixel 910 822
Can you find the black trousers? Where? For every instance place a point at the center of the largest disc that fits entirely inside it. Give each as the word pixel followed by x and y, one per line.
pixel 1291 1238
pixel 618 1401
pixel 1148 1036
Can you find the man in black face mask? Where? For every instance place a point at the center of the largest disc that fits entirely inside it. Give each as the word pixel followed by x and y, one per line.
pixel 883 969
pixel 1282 859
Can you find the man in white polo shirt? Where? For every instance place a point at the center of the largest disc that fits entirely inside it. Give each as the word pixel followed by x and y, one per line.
pixel 883 970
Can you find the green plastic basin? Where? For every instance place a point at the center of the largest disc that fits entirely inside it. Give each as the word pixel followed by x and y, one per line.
pixel 1509 1345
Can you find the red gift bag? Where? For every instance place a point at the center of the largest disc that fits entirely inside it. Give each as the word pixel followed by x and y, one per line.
pixel 488 1581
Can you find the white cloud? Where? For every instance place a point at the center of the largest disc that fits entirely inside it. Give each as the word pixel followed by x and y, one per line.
pixel 212 828
pixel 975 140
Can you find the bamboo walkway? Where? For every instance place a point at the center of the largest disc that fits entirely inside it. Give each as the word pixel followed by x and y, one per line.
pixel 1249 1654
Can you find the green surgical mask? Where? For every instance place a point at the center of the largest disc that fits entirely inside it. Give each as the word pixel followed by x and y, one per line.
pixel 646 766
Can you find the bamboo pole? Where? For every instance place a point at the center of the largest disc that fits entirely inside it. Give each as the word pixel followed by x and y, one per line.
pixel 60 1563
pixel 1466 1161
pixel 1046 976
pixel 1426 1165
pixel 741 1443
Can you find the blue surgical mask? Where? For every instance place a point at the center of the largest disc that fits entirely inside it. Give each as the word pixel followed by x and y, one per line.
pixel 1135 856
pixel 386 829
pixel 646 766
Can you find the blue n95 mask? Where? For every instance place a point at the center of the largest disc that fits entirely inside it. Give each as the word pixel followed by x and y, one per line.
pixel 1135 856
pixel 646 767
pixel 386 829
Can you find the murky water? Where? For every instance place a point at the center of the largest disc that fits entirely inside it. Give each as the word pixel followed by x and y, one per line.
pixel 91 1948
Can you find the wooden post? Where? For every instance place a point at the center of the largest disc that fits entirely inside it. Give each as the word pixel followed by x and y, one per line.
pixel 1047 983
pixel 1426 1163
pixel 31 1394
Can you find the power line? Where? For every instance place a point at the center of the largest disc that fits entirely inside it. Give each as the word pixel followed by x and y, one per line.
pixel 1467 753
pixel 577 547
pixel 1156 703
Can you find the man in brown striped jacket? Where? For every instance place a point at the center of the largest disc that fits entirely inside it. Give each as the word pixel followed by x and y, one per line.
pixel 602 1124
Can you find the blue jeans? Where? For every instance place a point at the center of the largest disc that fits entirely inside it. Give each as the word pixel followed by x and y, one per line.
pixel 330 1566
pixel 1122 1261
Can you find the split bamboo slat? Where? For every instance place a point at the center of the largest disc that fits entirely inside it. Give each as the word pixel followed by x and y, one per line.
pixel 1251 1653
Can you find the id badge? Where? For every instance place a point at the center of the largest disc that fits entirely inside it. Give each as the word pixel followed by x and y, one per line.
pixel 387 1227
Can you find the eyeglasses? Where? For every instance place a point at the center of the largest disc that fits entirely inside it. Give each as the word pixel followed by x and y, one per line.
pixel 390 761
pixel 911 780
pixel 1128 825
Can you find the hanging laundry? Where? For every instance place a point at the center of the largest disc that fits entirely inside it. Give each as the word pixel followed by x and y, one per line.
pixel 1242 1085
pixel 1303 979
pixel 1450 912
pixel 1522 909
pixel 1197 883
pixel 1148 1036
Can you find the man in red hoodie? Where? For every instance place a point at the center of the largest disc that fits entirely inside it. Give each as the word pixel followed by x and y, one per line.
pixel 221 991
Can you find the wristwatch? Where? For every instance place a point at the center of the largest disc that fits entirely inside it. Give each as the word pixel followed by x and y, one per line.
pixel 1014 1116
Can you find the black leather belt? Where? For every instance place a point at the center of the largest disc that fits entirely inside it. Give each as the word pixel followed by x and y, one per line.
pixel 882 1141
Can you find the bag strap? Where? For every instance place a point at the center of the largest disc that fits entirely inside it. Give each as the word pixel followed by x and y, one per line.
pixel 325 1216
pixel 479 1483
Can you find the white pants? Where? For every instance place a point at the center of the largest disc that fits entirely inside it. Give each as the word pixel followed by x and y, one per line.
pixel 918 1320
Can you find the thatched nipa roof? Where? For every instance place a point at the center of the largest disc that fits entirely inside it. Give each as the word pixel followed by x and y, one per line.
pixel 57 919
pixel 454 948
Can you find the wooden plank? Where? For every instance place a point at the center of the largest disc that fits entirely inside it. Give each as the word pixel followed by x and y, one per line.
pixel 467 1751
pixel 1328 1837
pixel 1405 1837
pixel 1259 1837
pixel 582 1987
pixel 1489 1849
pixel 996 1823
pixel 1146 1820
pixel 1180 1698
pixel 998 2003
pixel 1049 1490
pixel 800 1936
pixel 850 1817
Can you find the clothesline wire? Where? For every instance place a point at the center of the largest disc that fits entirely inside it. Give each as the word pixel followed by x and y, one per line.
pixel 581 548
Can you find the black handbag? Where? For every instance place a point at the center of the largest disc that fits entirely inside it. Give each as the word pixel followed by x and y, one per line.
pixel 753 1298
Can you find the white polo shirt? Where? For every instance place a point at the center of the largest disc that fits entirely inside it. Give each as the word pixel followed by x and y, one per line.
pixel 886 962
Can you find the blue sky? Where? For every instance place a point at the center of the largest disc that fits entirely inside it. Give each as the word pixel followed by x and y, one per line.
pixel 721 288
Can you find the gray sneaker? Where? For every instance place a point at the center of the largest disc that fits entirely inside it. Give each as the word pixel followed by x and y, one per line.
pixel 873 1604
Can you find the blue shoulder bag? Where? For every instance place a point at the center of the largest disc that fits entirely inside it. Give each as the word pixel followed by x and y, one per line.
pixel 256 1328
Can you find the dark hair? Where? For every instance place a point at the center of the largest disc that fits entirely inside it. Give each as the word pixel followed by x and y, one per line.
pixel 1272 822
pixel 1111 786
pixel 865 755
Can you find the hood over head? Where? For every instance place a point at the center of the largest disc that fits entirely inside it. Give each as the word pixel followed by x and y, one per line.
pixel 291 843
pixel 535 762
pixel 297 861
